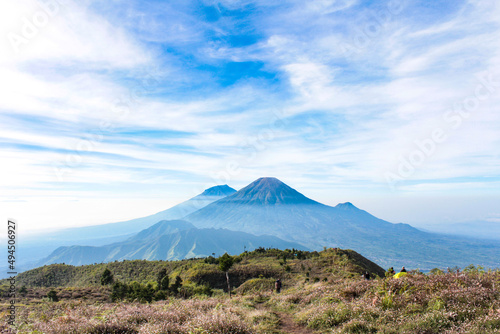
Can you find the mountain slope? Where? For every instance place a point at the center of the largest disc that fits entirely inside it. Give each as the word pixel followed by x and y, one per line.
pixel 168 240
pixel 268 206
pixel 126 228
pixel 38 246
pixel 328 264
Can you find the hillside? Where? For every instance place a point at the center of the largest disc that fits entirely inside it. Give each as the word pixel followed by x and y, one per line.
pixel 38 246
pixel 169 240
pixel 290 264
pixel 322 293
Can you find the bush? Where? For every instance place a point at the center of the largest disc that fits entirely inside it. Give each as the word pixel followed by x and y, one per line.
pixel 52 295
pixel 187 291
pixel 107 277
pixel 256 285
pixel 435 322
pixel 329 317
pixel 358 327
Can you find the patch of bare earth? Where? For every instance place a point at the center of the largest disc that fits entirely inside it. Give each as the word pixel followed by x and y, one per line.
pixel 286 323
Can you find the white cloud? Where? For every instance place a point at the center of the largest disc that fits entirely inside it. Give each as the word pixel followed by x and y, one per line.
pixel 377 101
pixel 67 33
pixel 329 6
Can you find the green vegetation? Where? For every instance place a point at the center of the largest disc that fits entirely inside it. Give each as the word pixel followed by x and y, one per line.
pixel 323 292
pixel 107 277
pixel 162 280
pixel 226 261
pixel 52 296
pixel 260 262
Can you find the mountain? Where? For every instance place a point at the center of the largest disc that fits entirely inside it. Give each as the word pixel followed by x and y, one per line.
pixel 39 246
pixel 268 206
pixel 269 191
pixel 168 240
pixel 126 228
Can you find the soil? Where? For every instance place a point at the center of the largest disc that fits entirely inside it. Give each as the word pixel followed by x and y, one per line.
pixel 286 323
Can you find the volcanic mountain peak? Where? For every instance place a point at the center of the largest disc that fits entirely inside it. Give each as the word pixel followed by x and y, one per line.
pixel 269 190
pixel 223 190
pixel 346 206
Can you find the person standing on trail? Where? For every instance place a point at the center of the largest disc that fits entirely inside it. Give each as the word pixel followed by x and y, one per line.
pixel 278 285
pixel 403 270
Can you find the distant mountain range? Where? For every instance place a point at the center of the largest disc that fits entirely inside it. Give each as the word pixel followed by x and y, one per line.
pixel 268 207
pixel 168 240
pixel 36 247
pixel 126 228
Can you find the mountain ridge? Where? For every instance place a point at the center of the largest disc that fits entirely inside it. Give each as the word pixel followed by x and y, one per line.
pixel 268 206
pixel 168 240
pixel 39 246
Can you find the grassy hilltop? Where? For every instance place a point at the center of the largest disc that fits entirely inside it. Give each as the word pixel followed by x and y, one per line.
pixel 323 292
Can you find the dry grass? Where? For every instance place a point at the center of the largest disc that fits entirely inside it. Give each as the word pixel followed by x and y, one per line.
pixel 450 303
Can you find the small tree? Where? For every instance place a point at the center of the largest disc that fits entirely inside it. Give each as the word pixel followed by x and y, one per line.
pixel 225 263
pixel 52 295
pixel 164 283
pixel 159 279
pixel 107 277
pixel 177 284
pixel 119 291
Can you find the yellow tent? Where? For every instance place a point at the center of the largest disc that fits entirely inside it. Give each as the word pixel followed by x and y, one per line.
pixel 401 274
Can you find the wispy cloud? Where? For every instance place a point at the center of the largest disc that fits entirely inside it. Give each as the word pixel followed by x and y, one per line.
pixel 325 95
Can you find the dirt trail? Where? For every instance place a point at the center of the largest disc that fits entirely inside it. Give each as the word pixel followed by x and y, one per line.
pixel 286 323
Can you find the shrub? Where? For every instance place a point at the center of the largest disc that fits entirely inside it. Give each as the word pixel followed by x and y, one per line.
pixel 256 285
pixel 52 296
pixel 107 277
pixel 329 316
pixel 358 327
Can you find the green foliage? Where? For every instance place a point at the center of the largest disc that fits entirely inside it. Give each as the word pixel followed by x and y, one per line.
pixel 387 301
pixel 210 260
pixel 435 322
pixel 134 291
pixel 120 291
pixel 256 285
pixel 474 270
pixel 177 284
pixel 52 296
pixel 190 290
pixel 463 303
pixel 164 284
pixel 436 271
pixel 225 262
pixel 107 277
pixel 162 279
pixel 247 265
pixel 332 317
pixel 358 327
pixel 437 304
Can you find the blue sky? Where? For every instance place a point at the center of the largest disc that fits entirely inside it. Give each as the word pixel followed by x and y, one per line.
pixel 115 109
